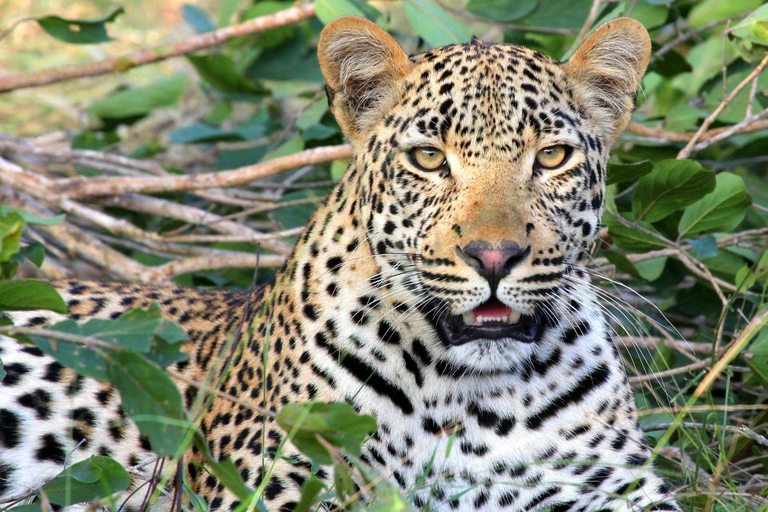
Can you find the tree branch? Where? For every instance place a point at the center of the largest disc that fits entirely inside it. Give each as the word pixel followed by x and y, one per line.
pixel 147 56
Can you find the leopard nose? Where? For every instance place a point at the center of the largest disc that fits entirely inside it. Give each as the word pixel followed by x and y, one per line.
pixel 493 262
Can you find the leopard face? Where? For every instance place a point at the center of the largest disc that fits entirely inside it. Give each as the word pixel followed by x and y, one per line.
pixel 481 174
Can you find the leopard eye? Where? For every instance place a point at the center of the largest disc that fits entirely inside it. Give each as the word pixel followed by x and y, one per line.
pixel 553 156
pixel 428 159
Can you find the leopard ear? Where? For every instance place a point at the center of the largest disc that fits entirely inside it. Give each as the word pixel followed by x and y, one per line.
pixel 607 69
pixel 362 66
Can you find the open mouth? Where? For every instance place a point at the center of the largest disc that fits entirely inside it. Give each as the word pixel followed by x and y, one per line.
pixel 491 320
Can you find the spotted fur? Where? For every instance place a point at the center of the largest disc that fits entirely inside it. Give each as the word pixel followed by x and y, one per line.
pixel 489 425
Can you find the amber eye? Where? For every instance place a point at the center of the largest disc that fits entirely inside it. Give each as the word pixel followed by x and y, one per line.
pixel 552 157
pixel 428 159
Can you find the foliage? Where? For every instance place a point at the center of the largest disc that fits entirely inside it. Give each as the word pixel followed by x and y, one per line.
pixel 685 226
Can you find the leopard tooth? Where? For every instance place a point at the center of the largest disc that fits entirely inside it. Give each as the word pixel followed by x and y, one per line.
pixel 514 317
pixel 469 318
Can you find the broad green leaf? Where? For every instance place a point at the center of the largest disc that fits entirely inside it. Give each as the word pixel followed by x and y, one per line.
pixel 79 31
pixel 227 9
pixel 132 330
pixel 329 10
pixel 141 100
pixel 197 18
pixel 220 71
pixel 11 225
pixel 434 25
pixel 338 424
pixel 707 11
pixel 34 252
pixel 704 247
pixel 297 215
pixel 31 218
pixel 17 295
pixel 651 270
pixel 745 278
pixel 150 399
pixel 759 356
pixel 559 14
pixel 342 480
pixel 754 27
pixel 87 480
pixel 338 168
pixel 202 133
pixel 621 173
pixel 761 267
pixel 725 264
pixel 138 330
pixel 312 115
pixel 671 64
pixel 721 210
pixel 309 492
pixel 673 185
pixel 631 239
pixel 87 361
pixel 504 10
pixel 622 263
pixel 651 16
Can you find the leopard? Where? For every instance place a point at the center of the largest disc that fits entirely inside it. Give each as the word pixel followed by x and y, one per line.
pixel 442 288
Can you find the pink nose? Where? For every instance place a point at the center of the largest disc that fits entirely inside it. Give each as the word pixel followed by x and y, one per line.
pixel 493 263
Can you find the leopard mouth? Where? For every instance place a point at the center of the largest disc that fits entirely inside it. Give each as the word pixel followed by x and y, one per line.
pixel 491 320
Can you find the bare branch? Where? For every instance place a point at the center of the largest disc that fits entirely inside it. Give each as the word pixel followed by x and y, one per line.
pixel 141 57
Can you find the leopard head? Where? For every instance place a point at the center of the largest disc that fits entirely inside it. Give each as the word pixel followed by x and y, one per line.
pixel 479 169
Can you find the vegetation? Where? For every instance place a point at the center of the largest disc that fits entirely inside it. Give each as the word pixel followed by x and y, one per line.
pixel 206 167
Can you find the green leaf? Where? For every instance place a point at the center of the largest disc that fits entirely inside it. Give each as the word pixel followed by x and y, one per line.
pixel 220 71
pixel 329 10
pixel 11 225
pixel 504 10
pixel 79 31
pixel 631 239
pixel 18 295
pixel 309 492
pixel 745 278
pixel 673 185
pixel 621 173
pixel 150 399
pixel 2 371
pixel 132 330
pixel 338 424
pixel 201 133
pixel 650 270
pixel 34 252
pixel 721 210
pixel 87 361
pixel 312 115
pixel 31 218
pixel 339 168
pixel 90 479
pixel 754 27
pixel 622 263
pixel 141 100
pixel 758 359
pixel 707 11
pixel 138 330
pixel 197 18
pixel 434 25
pixel 671 64
pixel 704 247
